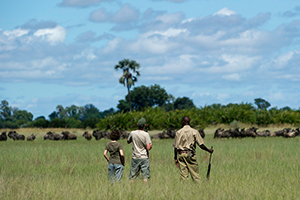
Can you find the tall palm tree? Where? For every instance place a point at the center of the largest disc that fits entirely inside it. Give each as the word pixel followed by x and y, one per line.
pixel 127 79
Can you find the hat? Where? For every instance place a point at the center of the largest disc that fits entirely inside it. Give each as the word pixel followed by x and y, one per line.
pixel 142 121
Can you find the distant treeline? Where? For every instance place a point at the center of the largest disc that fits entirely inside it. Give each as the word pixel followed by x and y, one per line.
pixel 157 117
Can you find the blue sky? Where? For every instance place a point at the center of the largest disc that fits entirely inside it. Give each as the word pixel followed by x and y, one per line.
pixel 63 52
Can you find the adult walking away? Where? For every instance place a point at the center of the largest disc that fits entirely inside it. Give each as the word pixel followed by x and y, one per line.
pixel 141 145
pixel 184 145
pixel 116 161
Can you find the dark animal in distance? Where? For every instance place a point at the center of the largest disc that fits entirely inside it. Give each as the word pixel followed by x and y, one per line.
pixel 15 136
pixel 87 135
pixel 53 136
pixel 68 136
pixel 3 136
pixel 31 137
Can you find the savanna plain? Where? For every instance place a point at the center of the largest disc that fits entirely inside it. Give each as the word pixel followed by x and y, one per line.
pixel 247 168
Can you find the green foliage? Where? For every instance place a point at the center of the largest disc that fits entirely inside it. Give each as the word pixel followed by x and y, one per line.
pixel 72 123
pixel 58 123
pixel 261 103
pixel 143 97
pixel 157 107
pixel 183 103
pixel 41 123
pixel 127 79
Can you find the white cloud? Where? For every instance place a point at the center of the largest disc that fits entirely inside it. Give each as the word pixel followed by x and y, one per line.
pixel 180 65
pixel 225 12
pixel 234 63
pixel 52 35
pixel 171 18
pixel 282 60
pixel 157 42
pixel 15 33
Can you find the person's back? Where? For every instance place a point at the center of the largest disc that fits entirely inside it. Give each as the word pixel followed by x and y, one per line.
pixel 114 147
pixel 141 145
pixel 140 139
pixel 186 138
pixel 116 161
pixel 185 146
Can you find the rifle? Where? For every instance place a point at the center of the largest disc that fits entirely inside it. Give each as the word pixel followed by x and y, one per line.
pixel 209 166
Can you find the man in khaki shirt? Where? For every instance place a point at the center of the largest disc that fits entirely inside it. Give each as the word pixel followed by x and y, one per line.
pixel 185 146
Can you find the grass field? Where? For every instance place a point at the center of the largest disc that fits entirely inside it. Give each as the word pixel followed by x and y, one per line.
pixel 260 168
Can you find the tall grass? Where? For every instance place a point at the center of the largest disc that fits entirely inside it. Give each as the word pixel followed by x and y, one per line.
pixel 261 168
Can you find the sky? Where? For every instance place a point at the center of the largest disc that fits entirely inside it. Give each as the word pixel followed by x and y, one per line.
pixel 63 52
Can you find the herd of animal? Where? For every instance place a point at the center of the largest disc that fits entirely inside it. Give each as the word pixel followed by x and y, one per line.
pixel 168 134
pixel 65 135
pixel 252 132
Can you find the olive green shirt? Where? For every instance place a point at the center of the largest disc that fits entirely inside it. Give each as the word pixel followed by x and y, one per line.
pixel 114 152
pixel 186 138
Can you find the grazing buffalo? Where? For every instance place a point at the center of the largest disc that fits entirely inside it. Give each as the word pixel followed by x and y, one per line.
pixel 100 134
pixel 3 136
pixel 251 132
pixel 31 137
pixel 221 133
pixel 68 136
pixel 97 134
pixel 168 134
pixel 201 131
pixel 171 133
pixel 123 134
pixel 288 133
pixel 87 135
pixel 265 133
pixel 15 136
pixel 53 136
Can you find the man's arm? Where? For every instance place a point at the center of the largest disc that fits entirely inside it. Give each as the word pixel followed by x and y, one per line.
pixel 129 140
pixel 203 147
pixel 149 146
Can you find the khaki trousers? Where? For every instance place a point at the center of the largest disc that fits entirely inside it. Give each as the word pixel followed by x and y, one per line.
pixel 188 164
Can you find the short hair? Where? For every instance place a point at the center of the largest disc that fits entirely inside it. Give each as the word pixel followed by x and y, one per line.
pixel 114 135
pixel 185 120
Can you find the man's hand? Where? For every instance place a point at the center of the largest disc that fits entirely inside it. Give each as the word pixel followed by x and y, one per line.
pixel 176 163
pixel 210 150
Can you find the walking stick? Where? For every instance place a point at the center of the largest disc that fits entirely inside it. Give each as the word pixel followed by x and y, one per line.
pixel 209 166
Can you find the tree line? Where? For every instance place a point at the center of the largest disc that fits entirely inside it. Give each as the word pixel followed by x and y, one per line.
pixel 161 109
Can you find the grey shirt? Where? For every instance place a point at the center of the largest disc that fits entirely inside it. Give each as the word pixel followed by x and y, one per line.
pixel 140 139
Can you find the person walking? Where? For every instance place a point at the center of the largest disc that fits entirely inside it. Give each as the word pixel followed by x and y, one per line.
pixel 184 145
pixel 141 145
pixel 116 161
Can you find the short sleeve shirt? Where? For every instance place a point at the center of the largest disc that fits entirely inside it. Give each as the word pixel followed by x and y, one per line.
pixel 140 139
pixel 114 152
pixel 186 138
